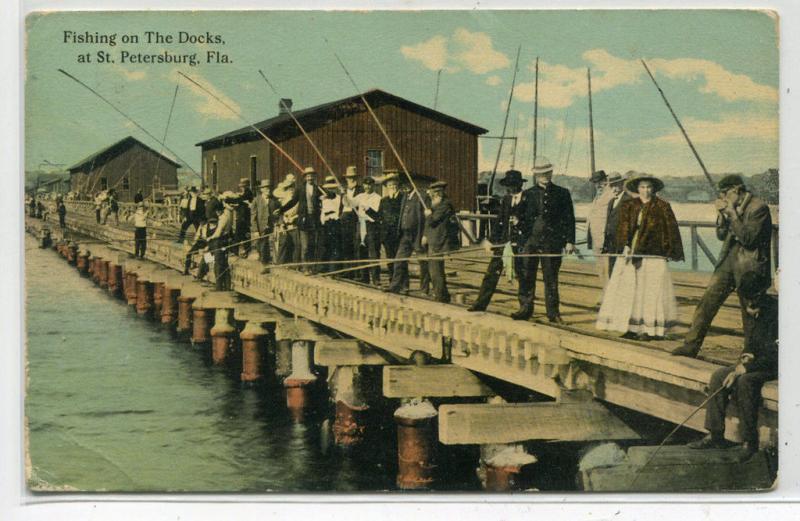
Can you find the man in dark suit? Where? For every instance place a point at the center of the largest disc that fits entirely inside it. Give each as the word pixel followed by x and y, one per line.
pixel 437 235
pixel 264 212
pixel 351 239
pixel 412 225
pixel 389 216
pixel 512 226
pixel 620 196
pixel 757 364
pixel 744 224
pixel 308 218
pixel 552 219
pixel 197 208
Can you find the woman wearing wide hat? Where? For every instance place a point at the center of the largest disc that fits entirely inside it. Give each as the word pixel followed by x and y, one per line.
pixel 639 300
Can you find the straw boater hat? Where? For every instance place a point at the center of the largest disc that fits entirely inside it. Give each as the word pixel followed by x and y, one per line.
pixel 309 170
pixel 243 181
pixel 330 183
pixel 632 184
pixel 513 178
pixel 542 166
pixel 391 177
pixel 351 172
pixel 265 183
pixel 615 178
pixel 437 186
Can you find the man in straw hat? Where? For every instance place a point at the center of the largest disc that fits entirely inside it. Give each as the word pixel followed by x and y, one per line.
pixel 511 227
pixel 287 236
pixel 369 235
pixel 349 222
pixel 412 226
pixel 241 222
pixel 331 220
pixel 552 219
pixel 744 224
pixel 437 237
pixel 619 196
pixel 389 216
pixel 220 240
pixel 264 213
pixel 308 218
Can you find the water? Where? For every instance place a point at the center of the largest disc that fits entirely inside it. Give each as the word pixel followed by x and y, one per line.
pixel 114 403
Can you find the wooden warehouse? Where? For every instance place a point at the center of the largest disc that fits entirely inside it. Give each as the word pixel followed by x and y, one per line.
pixel 432 145
pixel 127 166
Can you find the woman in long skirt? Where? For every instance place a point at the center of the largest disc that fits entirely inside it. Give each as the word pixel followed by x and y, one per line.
pixel 639 299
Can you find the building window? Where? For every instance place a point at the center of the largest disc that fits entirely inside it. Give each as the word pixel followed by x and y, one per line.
pixel 374 162
pixel 103 183
pixel 253 172
pixel 125 183
pixel 214 175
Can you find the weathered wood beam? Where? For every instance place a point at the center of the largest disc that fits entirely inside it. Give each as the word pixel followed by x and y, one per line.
pixel 510 423
pixel 346 352
pixel 409 381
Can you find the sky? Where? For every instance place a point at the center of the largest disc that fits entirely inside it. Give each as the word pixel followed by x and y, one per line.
pixel 719 69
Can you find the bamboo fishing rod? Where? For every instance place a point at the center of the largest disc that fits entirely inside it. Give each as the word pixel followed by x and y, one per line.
pixel 680 126
pixel 382 129
pixel 505 120
pixel 239 115
pixel 129 118
pixel 166 129
pixel 303 130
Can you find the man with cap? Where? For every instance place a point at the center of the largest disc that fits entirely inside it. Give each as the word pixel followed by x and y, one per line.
pixel 439 219
pixel 512 226
pixel 287 236
pixel 264 212
pixel 757 364
pixel 744 224
pixel 552 218
pixel 389 216
pixel 412 226
pixel 331 220
pixel 619 196
pixel 308 217
pixel 368 205
pixel 349 221
pixel 596 221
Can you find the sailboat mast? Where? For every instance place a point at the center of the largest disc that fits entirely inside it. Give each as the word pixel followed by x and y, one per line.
pixel 591 122
pixel 535 110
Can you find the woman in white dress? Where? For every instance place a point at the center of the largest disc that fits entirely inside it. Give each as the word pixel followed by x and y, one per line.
pixel 639 299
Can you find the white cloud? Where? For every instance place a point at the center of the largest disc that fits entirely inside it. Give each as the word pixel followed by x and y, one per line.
pixel 473 51
pixel 494 81
pixel 560 86
pixel 204 103
pixel 729 127
pixel 130 75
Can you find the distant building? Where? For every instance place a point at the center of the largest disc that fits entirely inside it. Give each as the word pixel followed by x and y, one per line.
pixel 432 145
pixel 127 166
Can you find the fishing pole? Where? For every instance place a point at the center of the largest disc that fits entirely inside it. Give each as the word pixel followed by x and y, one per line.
pixel 505 121
pixel 303 130
pixel 239 115
pixel 166 129
pixel 126 116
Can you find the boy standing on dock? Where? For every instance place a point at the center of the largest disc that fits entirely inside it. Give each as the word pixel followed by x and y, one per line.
pixel 438 219
pixel 140 230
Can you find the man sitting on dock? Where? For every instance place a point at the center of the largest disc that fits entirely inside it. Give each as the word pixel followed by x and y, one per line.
pixel 757 364
pixel 744 224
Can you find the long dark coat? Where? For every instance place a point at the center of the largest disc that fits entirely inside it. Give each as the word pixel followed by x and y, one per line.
pixel 658 233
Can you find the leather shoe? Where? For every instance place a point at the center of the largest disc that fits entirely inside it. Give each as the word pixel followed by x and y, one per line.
pixel 522 314
pixel 748 449
pixel 476 307
pixel 686 350
pixel 556 319
pixel 709 442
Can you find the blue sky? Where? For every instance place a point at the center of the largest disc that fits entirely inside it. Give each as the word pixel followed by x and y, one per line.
pixel 719 69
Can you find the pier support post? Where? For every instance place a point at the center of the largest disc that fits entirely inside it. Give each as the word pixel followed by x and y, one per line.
pixel 72 255
pixel 500 466
pixel 144 297
pixel 132 288
pixel 114 278
pixel 184 314
pixel 416 444
pixel 349 422
pixel 82 263
pixel 158 298
pixel 253 338
pixel 169 304
pixel 300 382
pixel 221 335
pixel 102 278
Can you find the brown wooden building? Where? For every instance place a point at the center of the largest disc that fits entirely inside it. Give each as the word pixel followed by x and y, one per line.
pixel 432 145
pixel 126 166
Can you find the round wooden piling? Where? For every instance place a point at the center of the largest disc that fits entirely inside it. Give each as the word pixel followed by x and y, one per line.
pixel 114 278
pixel 501 466
pixel 221 335
pixel 349 424
pixel 169 304
pixel 131 287
pixel 502 479
pixel 72 256
pixel 416 445
pixel 299 385
pixel 158 295
pixel 201 325
pixel 184 314
pixel 144 297
pixel 253 337
pixel 82 263
pixel 103 273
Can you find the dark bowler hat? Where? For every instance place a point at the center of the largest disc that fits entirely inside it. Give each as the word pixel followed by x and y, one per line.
pixel 437 186
pixel 598 176
pixel 632 184
pixel 513 178
pixel 368 181
pixel 752 285
pixel 730 181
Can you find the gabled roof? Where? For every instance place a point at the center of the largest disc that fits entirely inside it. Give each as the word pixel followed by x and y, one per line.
pixel 335 110
pixel 112 151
